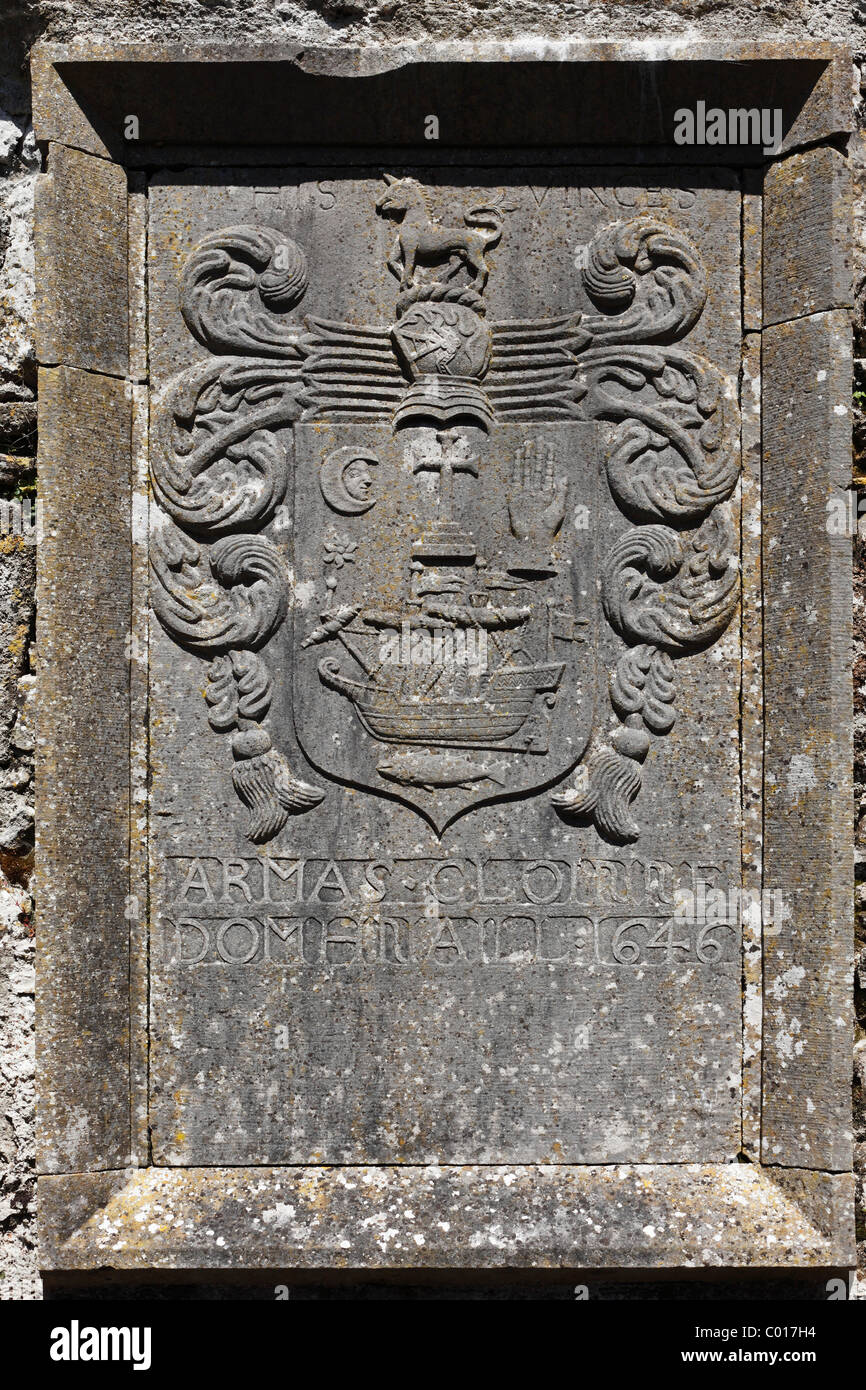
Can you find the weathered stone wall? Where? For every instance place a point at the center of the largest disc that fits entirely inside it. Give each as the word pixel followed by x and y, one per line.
pixel 19 162
pixel 320 21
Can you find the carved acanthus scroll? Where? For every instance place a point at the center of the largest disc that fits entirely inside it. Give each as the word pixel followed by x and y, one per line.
pixel 666 591
pixel 219 472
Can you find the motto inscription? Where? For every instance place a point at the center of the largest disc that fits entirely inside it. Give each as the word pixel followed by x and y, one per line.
pixel 499 912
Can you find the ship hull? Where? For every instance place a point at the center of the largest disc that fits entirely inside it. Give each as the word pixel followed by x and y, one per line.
pixel 482 720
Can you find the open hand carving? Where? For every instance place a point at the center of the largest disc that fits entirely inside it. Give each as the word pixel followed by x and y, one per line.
pixel 536 498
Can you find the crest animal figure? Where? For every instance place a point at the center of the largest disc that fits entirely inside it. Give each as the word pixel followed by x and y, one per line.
pixel 420 239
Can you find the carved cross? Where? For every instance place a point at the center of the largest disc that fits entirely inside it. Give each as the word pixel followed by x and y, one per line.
pixel 452 455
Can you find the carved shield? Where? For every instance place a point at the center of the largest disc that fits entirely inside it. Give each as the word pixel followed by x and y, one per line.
pixel 445 617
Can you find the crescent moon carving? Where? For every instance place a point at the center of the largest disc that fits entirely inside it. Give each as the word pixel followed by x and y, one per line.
pixel 345 480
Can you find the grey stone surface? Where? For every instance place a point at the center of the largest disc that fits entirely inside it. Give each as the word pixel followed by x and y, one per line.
pixel 263 22
pixel 426 949
pixel 752 726
pixel 19 1276
pixel 84 595
pixel 17 579
pixel 16 285
pixel 807 244
pixel 18 432
pixel 415 1217
pixel 753 239
pixel 308 95
pixel 807 655
pixel 16 775
pixel 82 240
pixel 375 21
pixel 443 884
pixel 17 1067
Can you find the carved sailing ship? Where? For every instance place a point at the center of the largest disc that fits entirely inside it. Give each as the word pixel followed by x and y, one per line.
pixel 452 697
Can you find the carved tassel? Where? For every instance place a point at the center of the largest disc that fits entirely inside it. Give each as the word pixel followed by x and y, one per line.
pixel 607 784
pixel 267 786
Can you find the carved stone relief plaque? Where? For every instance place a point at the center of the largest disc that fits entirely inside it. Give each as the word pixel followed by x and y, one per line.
pixel 445 683
pixel 445 661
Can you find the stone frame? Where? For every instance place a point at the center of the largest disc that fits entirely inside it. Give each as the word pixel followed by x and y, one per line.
pixel 102 1203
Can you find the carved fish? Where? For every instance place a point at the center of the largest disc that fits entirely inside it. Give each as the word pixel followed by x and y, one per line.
pixel 433 772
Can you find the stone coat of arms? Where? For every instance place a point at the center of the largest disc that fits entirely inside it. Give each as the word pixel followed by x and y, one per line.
pixel 444 590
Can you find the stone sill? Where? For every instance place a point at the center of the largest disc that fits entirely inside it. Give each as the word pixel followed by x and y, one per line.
pixel 646 1217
